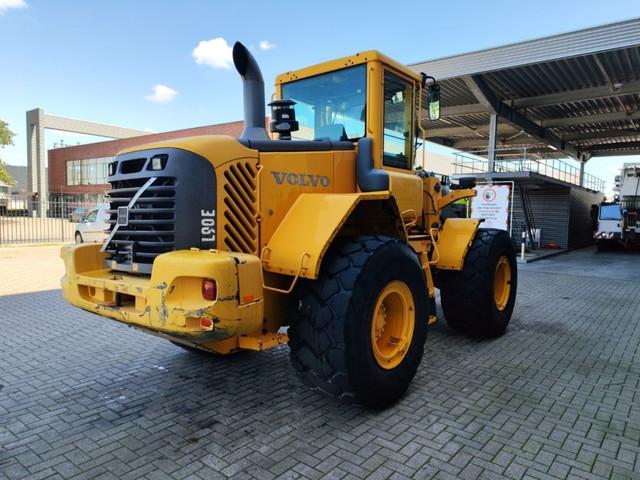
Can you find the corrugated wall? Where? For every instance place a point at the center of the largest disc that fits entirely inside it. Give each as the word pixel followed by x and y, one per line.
pixel 580 223
pixel 550 213
pixel 563 214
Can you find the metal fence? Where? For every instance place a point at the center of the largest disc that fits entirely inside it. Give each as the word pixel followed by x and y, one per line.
pixel 22 221
pixel 553 168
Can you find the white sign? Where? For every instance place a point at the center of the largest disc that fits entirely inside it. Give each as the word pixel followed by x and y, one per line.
pixel 492 204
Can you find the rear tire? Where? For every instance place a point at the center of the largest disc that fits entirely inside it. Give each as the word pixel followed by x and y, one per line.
pixel 79 237
pixel 479 299
pixel 360 328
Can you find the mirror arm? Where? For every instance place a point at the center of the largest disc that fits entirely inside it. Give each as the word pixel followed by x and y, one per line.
pixel 426 78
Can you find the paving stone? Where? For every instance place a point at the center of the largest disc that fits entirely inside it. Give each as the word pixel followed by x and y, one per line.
pixel 554 398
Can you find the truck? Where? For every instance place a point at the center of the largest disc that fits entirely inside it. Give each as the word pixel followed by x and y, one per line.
pixel 618 222
pixel 324 234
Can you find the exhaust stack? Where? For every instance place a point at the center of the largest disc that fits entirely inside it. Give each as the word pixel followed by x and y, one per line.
pixel 253 89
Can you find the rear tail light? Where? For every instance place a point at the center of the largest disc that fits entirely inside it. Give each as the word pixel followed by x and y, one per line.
pixel 209 289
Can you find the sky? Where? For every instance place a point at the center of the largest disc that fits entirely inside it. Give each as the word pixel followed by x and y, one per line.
pixel 165 65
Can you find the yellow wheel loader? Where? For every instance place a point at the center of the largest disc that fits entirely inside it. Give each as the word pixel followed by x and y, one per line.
pixel 325 226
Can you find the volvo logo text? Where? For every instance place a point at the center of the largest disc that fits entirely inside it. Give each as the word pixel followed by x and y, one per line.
pixel 301 179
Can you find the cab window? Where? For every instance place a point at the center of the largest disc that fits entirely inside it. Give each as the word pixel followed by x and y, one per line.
pixel 610 212
pixel 330 106
pixel 398 121
pixel 92 216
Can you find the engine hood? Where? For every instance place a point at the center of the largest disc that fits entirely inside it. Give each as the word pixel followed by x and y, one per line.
pixel 217 149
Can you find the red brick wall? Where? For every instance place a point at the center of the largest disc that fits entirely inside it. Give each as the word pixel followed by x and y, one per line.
pixel 58 157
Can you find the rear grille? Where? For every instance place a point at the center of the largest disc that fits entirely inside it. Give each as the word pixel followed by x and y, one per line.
pixel 174 191
pixel 151 226
pixel 240 204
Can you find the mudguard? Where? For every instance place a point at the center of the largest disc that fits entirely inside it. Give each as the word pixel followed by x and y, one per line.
pixel 454 241
pixel 306 232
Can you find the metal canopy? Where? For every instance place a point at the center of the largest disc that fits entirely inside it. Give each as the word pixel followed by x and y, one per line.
pixel 575 94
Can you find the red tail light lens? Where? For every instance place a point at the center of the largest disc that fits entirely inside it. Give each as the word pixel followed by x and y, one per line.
pixel 209 289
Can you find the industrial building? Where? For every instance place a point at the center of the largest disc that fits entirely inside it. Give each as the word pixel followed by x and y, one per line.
pixel 523 107
pixel 79 173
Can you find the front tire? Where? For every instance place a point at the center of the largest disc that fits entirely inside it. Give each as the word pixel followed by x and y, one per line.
pixel 479 299
pixel 78 237
pixel 360 328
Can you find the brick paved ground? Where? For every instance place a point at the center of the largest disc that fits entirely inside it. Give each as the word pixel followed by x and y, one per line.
pixel 557 397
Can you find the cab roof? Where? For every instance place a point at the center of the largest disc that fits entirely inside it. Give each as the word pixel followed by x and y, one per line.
pixel 340 63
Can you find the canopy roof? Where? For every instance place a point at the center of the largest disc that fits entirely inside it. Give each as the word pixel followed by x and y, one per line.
pixel 575 94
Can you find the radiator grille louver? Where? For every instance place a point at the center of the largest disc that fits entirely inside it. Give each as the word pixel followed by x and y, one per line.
pixel 151 227
pixel 240 205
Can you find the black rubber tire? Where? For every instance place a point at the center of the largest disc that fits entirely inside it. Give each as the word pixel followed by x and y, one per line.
pixel 467 296
pixel 78 238
pixel 330 337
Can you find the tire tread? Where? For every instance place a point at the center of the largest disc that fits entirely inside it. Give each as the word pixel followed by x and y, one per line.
pixel 465 295
pixel 316 338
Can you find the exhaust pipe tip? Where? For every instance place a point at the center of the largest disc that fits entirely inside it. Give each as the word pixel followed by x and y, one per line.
pixel 253 92
pixel 241 58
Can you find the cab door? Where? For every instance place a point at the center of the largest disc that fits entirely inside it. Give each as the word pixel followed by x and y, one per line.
pixel 398 149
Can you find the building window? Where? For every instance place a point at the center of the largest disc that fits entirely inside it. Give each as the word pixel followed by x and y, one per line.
pixel 89 171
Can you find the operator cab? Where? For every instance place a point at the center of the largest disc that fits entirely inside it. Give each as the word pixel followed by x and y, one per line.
pixel 365 95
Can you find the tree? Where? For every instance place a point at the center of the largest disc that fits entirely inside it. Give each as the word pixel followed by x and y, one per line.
pixel 6 138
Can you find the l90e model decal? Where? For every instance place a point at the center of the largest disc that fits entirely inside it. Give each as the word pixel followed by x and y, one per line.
pixel 207 226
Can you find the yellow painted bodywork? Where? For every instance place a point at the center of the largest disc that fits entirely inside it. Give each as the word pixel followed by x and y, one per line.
pixel 454 241
pixel 170 301
pixel 281 183
pixel 368 56
pixel 307 230
pixel 262 342
pixel 217 149
pixel 407 190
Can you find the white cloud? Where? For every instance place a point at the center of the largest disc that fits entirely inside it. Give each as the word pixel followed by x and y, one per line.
pixel 266 45
pixel 161 94
pixel 214 53
pixel 9 4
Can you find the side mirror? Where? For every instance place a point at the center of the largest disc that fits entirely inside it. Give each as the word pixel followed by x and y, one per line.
pixel 433 100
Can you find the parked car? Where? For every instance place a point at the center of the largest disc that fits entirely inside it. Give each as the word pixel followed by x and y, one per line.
pixel 78 215
pixel 93 228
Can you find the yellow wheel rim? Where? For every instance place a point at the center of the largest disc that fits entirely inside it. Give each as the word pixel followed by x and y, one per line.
pixel 502 283
pixel 392 324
